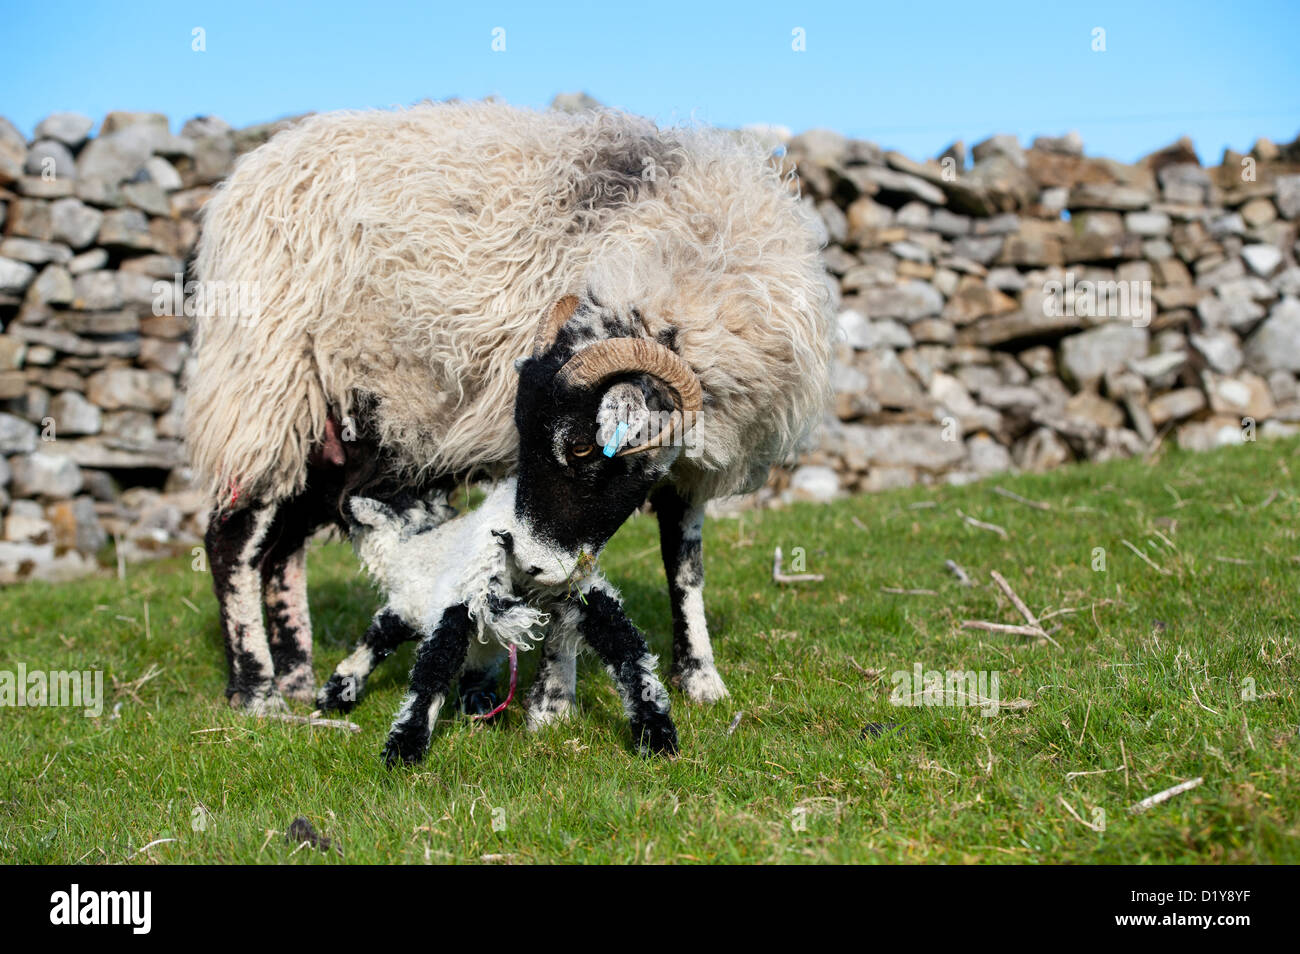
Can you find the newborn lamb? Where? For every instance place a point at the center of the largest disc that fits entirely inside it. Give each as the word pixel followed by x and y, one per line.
pixel 479 605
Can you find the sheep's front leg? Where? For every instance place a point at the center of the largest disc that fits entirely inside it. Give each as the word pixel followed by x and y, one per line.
pixel 438 660
pixel 681 542
pixel 622 648
pixel 385 633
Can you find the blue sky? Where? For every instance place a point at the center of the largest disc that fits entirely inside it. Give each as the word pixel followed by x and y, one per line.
pixel 912 76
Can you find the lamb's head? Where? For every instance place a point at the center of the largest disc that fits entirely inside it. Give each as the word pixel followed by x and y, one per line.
pixel 599 420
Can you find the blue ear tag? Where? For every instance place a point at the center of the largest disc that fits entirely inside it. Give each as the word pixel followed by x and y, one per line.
pixel 616 441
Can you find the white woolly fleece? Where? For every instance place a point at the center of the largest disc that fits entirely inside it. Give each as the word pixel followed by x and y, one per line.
pixel 412 253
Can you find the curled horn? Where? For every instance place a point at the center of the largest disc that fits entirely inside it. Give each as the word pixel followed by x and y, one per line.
pixel 599 362
pixel 550 327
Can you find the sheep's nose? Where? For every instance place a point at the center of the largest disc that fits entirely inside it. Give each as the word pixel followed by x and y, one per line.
pixel 533 570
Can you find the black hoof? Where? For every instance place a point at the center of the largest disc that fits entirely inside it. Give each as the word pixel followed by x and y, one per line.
pixel 656 735
pixel 338 695
pixel 259 700
pixel 479 702
pixel 406 747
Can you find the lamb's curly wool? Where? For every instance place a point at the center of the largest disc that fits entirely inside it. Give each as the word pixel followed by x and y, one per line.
pixel 398 551
pixel 411 254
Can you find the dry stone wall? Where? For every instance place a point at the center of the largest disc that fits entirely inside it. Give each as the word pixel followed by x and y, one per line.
pixel 1017 309
pixel 1024 308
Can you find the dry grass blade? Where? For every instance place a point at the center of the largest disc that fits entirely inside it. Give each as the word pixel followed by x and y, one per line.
pixel 152 844
pixel 1075 815
pixel 1146 559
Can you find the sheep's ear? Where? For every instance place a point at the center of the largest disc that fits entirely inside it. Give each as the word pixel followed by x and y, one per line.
pixel 623 404
pixel 519 363
pixel 370 512
pixel 668 337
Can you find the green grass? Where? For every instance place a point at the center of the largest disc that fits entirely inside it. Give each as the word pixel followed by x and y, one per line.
pixel 1145 691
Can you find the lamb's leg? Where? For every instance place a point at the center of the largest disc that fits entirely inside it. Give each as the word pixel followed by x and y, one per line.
pixel 385 633
pixel 681 543
pixel 553 694
pixel 621 647
pixel 237 545
pixel 438 660
pixel 478 683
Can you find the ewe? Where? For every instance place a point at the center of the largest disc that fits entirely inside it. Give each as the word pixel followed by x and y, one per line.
pixel 404 260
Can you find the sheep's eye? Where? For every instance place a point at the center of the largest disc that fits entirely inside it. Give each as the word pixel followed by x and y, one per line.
pixel 581 450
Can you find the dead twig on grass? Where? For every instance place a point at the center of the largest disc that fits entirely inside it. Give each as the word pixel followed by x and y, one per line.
pixel 1033 628
pixel 1016 601
pixel 991 527
pixel 1012 628
pixel 313 720
pixel 779 576
pixel 1036 504
pixel 959 571
pixel 1153 800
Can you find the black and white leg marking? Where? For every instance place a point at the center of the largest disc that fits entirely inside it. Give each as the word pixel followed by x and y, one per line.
pixel 237 545
pixel 681 543
pixel 284 590
pixel 621 647
pixel 553 695
pixel 438 660
pixel 288 621
pixel 385 633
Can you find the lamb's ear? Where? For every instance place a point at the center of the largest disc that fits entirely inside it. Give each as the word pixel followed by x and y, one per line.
pixel 519 363
pixel 370 512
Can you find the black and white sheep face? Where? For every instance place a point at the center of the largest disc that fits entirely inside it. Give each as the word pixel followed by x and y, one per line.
pixel 571 497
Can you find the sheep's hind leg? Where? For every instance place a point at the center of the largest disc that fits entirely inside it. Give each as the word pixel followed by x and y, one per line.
pixel 385 633
pixel 438 661
pixel 284 586
pixel 621 647
pixel 681 542
pixel 237 545
pixel 288 620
